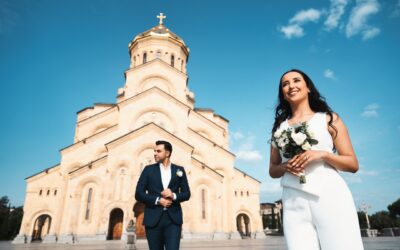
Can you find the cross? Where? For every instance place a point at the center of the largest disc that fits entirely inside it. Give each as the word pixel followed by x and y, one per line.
pixel 161 17
pixel 364 207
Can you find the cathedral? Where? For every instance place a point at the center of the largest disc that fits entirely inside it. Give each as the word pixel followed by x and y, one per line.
pixel 89 195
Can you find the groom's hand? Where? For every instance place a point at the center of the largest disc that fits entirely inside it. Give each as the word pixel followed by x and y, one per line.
pixel 167 193
pixel 165 202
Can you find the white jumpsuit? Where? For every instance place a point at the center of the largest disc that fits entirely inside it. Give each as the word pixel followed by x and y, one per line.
pixel 319 214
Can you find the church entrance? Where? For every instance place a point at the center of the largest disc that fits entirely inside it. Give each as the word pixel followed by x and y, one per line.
pixel 243 225
pixel 138 211
pixel 115 224
pixel 41 227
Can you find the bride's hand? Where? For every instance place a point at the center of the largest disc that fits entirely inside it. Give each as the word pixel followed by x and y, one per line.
pixel 290 168
pixel 300 161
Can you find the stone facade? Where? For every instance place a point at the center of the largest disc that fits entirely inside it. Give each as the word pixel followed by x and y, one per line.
pixel 89 195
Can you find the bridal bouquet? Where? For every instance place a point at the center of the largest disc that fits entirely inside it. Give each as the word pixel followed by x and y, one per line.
pixel 294 140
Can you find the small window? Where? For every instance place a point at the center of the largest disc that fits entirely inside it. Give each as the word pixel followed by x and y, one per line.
pixel 55 192
pixel 241 193
pixel 88 204
pixel 235 193
pixel 40 192
pixel 158 54
pixel 203 204
pixel 248 194
pixel 134 61
pixel 172 60
pixel 48 192
pixel 144 57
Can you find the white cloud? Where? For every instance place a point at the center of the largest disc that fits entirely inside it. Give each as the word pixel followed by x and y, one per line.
pixel 237 135
pixel 358 19
pixel 249 155
pixel 371 33
pixel 329 74
pixel 294 29
pixel 335 13
pixel 291 31
pixel 372 106
pixel 305 16
pixel 371 110
pixel 245 150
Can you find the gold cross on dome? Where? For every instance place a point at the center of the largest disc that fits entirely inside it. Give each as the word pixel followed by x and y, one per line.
pixel 161 17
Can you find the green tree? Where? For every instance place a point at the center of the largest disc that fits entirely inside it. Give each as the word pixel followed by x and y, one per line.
pixel 10 219
pixel 394 209
pixel 362 220
pixel 381 220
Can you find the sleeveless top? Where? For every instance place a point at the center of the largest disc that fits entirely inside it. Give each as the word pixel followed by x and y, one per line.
pixel 316 172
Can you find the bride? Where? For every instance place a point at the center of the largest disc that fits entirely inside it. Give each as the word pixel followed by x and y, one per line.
pixel 319 214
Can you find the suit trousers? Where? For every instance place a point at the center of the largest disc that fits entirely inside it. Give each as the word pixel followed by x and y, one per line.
pixel 164 233
pixel 328 221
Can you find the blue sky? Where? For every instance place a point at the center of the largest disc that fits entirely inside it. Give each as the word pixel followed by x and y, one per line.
pixel 57 57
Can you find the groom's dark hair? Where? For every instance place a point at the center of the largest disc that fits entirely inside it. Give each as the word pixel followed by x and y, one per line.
pixel 167 146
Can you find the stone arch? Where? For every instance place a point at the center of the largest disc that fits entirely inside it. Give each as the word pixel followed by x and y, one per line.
pixel 158 81
pixel 157 115
pixel 31 222
pixel 115 225
pixel 41 227
pixel 244 223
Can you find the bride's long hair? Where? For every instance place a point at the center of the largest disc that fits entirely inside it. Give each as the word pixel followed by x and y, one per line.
pixel 316 101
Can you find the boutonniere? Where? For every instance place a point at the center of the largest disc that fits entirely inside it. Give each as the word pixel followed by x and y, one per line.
pixel 179 173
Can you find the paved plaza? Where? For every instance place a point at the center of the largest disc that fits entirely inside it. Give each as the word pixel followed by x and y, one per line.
pixel 271 243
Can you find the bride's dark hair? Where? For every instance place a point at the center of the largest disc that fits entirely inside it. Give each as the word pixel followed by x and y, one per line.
pixel 316 101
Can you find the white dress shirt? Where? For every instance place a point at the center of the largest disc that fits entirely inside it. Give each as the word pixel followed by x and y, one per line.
pixel 165 179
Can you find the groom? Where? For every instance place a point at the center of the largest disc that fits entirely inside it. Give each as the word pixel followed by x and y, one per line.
pixel 162 187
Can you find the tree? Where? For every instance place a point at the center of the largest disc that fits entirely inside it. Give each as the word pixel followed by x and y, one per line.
pixel 394 209
pixel 10 219
pixel 362 220
pixel 382 219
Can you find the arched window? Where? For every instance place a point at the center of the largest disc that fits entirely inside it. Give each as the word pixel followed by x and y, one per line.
pixel 55 192
pixel 158 54
pixel 172 60
pixel 144 57
pixel 88 203
pixel 203 204
pixel 40 192
pixel 248 194
pixel 134 61
pixel 48 192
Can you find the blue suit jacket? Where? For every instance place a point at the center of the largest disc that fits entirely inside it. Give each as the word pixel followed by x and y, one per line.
pixel 149 187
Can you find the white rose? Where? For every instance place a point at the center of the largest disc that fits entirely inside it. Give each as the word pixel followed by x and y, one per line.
pixel 298 137
pixel 282 142
pixel 179 173
pixel 278 133
pixel 306 146
pixel 312 135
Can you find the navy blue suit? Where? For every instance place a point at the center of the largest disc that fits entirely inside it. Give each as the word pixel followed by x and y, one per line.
pixel 163 227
